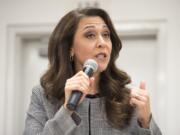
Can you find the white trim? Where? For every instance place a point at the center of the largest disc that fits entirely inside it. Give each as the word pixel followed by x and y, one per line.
pixel 16 33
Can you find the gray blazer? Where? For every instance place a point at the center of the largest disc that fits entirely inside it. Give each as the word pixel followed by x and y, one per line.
pixel 46 117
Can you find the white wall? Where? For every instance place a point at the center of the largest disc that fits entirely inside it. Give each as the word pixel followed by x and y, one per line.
pixel 29 12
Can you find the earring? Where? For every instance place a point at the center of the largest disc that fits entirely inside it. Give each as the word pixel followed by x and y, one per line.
pixel 71 57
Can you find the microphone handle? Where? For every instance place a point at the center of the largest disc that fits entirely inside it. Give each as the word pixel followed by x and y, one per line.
pixel 76 95
pixel 74 100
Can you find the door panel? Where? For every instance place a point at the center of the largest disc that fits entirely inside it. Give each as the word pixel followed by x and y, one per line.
pixel 138 58
pixel 33 66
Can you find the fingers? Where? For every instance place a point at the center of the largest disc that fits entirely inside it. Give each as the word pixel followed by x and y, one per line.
pixel 80 82
pixel 139 96
pixel 142 85
pixel 140 100
pixel 137 103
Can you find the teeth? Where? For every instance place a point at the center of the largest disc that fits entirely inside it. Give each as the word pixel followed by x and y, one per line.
pixel 101 56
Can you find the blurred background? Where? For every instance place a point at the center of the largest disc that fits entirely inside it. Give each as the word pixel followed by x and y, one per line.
pixel 150 33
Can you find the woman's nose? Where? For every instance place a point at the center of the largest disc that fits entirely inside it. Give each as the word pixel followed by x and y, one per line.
pixel 101 42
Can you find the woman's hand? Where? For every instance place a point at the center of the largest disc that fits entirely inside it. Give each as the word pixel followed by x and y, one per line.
pixel 81 82
pixel 140 99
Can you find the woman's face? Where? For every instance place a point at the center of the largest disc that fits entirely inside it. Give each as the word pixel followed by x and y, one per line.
pixel 92 40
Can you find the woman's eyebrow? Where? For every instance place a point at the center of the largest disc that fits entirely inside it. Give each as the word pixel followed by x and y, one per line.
pixel 93 26
pixel 88 26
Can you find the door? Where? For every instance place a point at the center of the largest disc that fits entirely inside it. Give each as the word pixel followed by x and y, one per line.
pixel 138 58
pixel 33 65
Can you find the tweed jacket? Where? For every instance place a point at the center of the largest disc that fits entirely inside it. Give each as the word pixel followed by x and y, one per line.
pixel 45 117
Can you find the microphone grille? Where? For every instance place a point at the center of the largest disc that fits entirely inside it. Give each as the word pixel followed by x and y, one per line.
pixel 91 64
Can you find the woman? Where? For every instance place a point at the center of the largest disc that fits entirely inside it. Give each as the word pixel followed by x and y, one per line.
pixel 107 105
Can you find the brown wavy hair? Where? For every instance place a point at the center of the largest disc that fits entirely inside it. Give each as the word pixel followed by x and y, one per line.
pixel 112 81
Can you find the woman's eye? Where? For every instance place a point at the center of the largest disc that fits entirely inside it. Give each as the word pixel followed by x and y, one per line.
pixel 106 35
pixel 90 35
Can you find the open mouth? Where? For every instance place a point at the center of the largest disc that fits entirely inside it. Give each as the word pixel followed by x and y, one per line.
pixel 101 55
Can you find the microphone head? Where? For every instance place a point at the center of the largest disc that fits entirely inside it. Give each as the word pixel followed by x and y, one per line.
pixel 90 63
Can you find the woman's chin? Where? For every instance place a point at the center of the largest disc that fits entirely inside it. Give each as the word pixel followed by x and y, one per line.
pixel 101 68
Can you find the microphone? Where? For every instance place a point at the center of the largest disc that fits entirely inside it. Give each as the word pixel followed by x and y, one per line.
pixel 90 66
